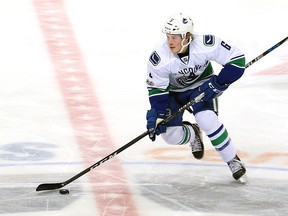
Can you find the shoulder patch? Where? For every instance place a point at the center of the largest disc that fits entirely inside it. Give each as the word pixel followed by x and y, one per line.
pixel 209 40
pixel 155 58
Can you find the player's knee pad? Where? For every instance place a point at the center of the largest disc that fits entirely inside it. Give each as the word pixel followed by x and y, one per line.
pixel 173 135
pixel 208 121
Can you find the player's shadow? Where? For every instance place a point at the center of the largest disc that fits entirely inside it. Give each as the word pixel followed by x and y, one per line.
pixel 203 194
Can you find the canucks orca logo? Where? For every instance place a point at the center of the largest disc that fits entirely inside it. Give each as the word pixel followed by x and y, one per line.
pixel 155 58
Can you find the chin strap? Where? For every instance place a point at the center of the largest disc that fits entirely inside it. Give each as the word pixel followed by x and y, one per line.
pixel 182 44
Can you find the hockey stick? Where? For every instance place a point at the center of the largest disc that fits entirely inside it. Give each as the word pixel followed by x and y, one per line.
pixel 266 52
pixel 53 186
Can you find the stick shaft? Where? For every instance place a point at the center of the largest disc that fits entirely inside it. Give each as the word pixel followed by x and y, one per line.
pixel 53 186
pixel 266 52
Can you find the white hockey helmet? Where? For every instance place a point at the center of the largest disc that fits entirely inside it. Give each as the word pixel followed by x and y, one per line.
pixel 179 24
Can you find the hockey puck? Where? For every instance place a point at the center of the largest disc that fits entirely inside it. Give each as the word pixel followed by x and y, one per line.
pixel 64 191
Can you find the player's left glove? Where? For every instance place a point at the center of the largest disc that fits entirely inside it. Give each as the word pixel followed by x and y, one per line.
pixel 154 125
pixel 212 88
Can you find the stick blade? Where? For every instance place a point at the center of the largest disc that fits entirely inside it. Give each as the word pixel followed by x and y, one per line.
pixel 49 186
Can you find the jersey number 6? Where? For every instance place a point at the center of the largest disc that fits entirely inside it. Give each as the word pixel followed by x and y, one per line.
pixel 225 45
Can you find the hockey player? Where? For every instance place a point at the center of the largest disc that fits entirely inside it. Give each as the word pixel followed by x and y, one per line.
pixel 179 69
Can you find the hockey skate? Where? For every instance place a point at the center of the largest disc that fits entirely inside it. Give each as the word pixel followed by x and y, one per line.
pixel 197 146
pixel 238 169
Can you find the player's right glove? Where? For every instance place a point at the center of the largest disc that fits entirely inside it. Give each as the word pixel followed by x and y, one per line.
pixel 153 123
pixel 212 89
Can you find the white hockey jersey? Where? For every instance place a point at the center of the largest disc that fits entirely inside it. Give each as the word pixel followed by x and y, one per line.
pixel 168 72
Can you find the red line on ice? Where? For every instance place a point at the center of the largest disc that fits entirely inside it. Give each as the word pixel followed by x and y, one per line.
pixel 111 191
pixel 279 69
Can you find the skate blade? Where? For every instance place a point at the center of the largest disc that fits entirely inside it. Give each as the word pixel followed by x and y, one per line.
pixel 243 179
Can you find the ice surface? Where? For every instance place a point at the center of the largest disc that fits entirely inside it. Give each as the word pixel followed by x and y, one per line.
pixel 73 91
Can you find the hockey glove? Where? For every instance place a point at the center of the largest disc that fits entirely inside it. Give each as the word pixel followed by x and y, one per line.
pixel 212 89
pixel 153 123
